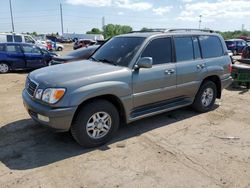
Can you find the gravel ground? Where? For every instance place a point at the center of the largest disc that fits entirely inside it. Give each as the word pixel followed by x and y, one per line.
pixel 175 149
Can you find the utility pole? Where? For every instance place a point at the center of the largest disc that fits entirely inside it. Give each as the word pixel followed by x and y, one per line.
pixel 61 17
pixel 200 22
pixel 13 29
pixel 103 23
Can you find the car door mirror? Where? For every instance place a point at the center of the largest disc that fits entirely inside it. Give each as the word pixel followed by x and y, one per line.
pixel 144 62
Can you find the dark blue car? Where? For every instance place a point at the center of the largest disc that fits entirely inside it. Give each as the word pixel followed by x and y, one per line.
pixel 236 45
pixel 16 56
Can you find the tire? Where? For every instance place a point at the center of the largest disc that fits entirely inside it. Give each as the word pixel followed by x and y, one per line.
pixel 59 49
pixel 205 98
pixel 4 68
pixel 88 116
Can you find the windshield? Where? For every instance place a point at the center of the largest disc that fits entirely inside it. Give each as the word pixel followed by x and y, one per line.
pixel 118 50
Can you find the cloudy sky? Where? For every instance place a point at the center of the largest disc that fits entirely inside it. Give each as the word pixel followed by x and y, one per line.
pixel 81 15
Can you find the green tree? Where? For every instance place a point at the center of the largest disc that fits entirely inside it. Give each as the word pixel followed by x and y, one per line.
pixel 94 31
pixel 34 33
pixel 111 30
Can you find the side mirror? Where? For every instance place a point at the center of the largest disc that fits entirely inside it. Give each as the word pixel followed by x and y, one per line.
pixel 144 62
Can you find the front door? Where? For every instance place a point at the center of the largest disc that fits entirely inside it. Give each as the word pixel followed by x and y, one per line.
pixel 158 83
pixel 33 56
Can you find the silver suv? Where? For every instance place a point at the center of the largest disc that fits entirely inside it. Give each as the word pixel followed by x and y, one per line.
pixel 130 77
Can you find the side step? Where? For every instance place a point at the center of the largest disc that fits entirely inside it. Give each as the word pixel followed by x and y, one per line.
pixel 158 108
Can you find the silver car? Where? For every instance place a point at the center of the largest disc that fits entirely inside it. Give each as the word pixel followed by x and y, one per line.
pixel 130 77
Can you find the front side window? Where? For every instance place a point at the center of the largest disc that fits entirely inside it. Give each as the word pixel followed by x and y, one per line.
pixel 118 50
pixel 13 48
pixel 160 50
pixel 31 49
pixel 211 46
pixel 184 48
pixel 28 39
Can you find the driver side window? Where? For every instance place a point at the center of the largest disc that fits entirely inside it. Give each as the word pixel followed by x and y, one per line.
pixel 160 50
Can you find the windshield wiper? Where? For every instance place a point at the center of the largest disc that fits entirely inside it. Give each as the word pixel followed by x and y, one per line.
pixel 107 61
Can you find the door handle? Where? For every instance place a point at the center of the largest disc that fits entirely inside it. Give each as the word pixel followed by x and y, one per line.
pixel 201 66
pixel 169 71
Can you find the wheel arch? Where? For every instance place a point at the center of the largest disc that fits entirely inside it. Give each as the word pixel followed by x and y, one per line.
pixel 110 98
pixel 217 81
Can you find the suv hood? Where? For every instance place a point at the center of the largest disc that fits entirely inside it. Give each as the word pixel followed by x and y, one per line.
pixel 63 75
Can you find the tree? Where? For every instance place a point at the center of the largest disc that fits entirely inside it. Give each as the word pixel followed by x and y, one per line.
pixel 111 30
pixel 34 33
pixel 94 31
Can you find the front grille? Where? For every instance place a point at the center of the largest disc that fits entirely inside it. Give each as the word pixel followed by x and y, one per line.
pixel 31 87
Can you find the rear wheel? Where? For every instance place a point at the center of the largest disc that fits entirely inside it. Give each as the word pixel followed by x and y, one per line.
pixel 59 49
pixel 206 96
pixel 95 124
pixel 4 68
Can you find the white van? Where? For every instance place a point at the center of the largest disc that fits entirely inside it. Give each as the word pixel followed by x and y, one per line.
pixel 13 37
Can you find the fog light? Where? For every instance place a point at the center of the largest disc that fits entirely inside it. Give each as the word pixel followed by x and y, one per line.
pixel 43 118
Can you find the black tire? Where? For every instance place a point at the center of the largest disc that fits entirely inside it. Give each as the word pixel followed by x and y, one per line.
pixel 198 105
pixel 59 49
pixel 5 68
pixel 79 126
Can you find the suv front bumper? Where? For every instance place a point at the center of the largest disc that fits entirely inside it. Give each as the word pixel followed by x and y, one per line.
pixel 56 118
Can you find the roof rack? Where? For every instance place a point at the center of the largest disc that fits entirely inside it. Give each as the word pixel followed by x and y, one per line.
pixel 150 30
pixel 190 30
pixel 173 30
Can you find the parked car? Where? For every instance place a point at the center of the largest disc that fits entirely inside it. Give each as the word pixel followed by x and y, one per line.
pixel 14 37
pixel 15 56
pixel 63 40
pixel 83 43
pixel 79 54
pixel 236 45
pixel 57 46
pixel 246 53
pixel 130 77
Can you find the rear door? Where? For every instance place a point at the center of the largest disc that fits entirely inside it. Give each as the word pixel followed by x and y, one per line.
pixel 190 66
pixel 33 56
pixel 15 56
pixel 158 83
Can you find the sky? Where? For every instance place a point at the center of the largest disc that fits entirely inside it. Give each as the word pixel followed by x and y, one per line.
pixel 79 16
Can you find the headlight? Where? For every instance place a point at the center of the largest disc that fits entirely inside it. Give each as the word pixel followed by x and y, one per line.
pixel 52 95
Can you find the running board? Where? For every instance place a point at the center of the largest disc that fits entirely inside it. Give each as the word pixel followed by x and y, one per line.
pixel 158 108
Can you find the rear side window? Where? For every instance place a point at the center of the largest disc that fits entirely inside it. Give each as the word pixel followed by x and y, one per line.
pixel 160 50
pixel 211 46
pixel 9 38
pixel 184 48
pixel 17 38
pixel 1 47
pixel 13 48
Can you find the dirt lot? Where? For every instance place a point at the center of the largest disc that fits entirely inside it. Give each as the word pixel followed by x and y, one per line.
pixel 176 149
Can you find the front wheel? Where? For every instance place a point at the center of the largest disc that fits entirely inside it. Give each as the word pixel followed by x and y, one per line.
pixel 95 124
pixel 4 68
pixel 206 96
